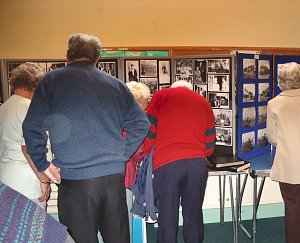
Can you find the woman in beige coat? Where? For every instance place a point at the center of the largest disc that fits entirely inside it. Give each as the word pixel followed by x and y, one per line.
pixel 283 127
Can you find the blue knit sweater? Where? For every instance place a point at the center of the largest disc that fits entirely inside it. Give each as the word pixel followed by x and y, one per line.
pixel 85 111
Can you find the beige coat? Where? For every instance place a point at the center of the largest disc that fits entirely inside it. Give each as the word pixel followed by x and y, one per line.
pixel 283 128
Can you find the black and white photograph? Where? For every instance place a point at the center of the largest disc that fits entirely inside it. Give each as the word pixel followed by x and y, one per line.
pixel 55 65
pixel 219 83
pixel 201 89
pixel 218 66
pixel 184 66
pixel 224 136
pixel 108 67
pixel 164 86
pixel 164 75
pixel 264 69
pixel 223 118
pixel 132 70
pixel 249 69
pixel 43 65
pixel 248 142
pixel 248 92
pixel 148 68
pixel 249 117
pixel 10 67
pixel 200 71
pixel 151 83
pixel 262 115
pixel 184 78
pixel 262 138
pixel 263 92
pixel 219 100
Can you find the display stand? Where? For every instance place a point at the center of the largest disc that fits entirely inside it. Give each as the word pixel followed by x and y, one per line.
pixel 260 168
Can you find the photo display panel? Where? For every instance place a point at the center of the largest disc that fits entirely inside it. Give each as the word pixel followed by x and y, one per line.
pixel 154 72
pixel 108 65
pixel 212 77
pixel 254 90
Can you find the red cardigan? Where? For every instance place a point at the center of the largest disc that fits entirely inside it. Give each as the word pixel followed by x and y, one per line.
pixel 182 126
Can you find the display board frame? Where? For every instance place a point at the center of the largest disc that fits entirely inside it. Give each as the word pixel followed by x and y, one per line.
pixel 254 90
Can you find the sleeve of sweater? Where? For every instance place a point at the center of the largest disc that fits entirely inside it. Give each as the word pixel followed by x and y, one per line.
pixel 34 130
pixel 136 125
pixel 210 134
pixel 271 126
pixel 152 113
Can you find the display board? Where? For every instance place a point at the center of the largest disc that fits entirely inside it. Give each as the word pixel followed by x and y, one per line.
pixel 254 90
pixel 108 65
pixel 213 78
pixel 154 72
pixel 281 60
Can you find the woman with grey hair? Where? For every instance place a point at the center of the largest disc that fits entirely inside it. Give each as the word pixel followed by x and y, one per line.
pixel 283 133
pixel 16 168
pixel 141 94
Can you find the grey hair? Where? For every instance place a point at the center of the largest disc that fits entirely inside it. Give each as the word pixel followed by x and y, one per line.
pixel 83 45
pixel 140 91
pixel 289 76
pixel 26 76
pixel 182 83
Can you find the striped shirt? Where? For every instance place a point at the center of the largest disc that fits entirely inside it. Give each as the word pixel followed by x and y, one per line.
pixel 182 126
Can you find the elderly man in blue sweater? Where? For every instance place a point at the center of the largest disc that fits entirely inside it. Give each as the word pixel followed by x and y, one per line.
pixel 85 111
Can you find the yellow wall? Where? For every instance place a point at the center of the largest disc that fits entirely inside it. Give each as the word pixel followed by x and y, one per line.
pixel 40 28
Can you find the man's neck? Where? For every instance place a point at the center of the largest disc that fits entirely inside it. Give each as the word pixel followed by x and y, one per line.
pixel 24 93
pixel 81 59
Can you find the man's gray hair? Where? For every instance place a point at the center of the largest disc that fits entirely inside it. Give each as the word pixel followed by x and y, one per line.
pixel 83 46
pixel 289 76
pixel 182 83
pixel 26 76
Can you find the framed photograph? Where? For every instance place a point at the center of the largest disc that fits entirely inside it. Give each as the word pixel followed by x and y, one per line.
pixel 184 67
pixel 43 65
pixel 201 90
pixel 148 68
pixel 108 67
pixel 219 100
pixel 218 66
pixel 223 118
pixel 248 142
pixel 249 117
pixel 262 115
pixel 184 78
pixel 200 71
pixel 151 83
pixel 132 70
pixel 219 83
pixel 164 75
pixel 224 136
pixel 263 92
pixel 264 69
pixel 262 138
pixel 55 65
pixel 249 69
pixel 165 86
pixel 248 92
pixel 10 67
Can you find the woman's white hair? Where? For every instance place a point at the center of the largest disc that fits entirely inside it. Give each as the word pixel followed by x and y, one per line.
pixel 140 91
pixel 289 76
pixel 182 83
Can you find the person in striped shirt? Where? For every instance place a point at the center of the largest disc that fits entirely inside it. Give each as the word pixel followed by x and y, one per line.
pixel 183 134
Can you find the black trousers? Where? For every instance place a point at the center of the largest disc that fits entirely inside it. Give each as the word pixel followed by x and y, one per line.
pixel 92 205
pixel 180 181
pixel 291 197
